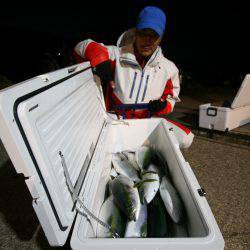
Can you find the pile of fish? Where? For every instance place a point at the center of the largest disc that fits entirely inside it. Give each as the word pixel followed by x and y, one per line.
pixel 141 200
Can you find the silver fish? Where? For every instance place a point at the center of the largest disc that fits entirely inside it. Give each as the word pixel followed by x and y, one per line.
pixel 113 173
pixel 179 230
pixel 160 162
pixel 107 191
pixel 171 199
pixel 158 227
pixel 126 196
pixel 138 228
pixel 148 189
pixel 124 167
pixel 143 157
pixel 111 214
pixel 131 158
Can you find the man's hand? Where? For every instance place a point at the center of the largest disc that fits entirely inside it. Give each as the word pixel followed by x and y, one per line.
pixel 104 71
pixel 157 105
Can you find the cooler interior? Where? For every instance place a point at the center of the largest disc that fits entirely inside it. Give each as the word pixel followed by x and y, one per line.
pixel 138 133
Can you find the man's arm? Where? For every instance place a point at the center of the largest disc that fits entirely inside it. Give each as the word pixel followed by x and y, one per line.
pixel 170 95
pixel 101 57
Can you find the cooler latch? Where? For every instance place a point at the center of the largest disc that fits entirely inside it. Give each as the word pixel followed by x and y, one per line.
pixel 201 192
pixel 212 111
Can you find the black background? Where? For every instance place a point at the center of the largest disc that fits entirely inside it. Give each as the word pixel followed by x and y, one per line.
pixel 208 40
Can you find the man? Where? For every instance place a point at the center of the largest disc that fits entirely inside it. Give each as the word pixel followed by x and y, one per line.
pixel 142 82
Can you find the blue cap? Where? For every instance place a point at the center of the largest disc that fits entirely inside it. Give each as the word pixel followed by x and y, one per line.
pixel 152 18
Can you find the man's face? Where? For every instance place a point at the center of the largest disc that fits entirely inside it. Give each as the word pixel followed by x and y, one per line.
pixel 146 41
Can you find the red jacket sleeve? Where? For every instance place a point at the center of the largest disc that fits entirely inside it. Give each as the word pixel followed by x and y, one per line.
pixel 96 53
pixel 167 91
pixel 89 50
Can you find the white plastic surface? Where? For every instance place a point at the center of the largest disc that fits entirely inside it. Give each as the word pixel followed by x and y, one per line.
pixel 203 229
pixel 66 117
pixel 225 119
pixel 242 98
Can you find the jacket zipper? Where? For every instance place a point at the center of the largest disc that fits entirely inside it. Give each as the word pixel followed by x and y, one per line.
pixel 138 92
pixel 145 89
pixel 133 86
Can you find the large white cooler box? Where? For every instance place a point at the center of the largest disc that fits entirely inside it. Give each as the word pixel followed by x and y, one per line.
pixel 228 118
pixel 62 111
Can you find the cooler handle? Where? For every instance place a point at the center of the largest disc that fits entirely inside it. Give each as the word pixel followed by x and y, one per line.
pixel 212 111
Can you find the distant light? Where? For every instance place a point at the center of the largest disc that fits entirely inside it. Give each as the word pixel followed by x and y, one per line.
pixel 59 54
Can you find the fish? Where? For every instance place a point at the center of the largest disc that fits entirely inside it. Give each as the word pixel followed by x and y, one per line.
pixel 113 173
pixel 143 157
pixel 126 196
pixel 111 214
pixel 179 230
pixel 158 160
pixel 157 226
pixel 138 228
pixel 172 200
pixel 124 167
pixel 107 191
pixel 148 189
pixel 108 186
pixel 130 155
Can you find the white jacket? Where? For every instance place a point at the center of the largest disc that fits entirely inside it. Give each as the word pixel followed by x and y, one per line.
pixel 134 85
pixel 158 79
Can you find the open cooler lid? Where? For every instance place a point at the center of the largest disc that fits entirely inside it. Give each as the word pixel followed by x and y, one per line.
pixel 58 111
pixel 243 95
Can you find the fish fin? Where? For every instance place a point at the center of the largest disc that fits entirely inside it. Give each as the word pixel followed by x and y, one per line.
pixel 112 177
pixel 141 195
pixel 148 172
pixel 137 184
pixel 140 183
pixel 124 155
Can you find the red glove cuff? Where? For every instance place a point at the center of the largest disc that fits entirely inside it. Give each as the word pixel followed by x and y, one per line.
pixel 96 53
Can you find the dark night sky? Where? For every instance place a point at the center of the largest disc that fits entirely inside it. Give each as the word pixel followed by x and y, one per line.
pixel 208 40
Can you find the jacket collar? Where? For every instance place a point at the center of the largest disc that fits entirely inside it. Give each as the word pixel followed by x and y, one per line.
pixel 128 56
pixel 125 44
